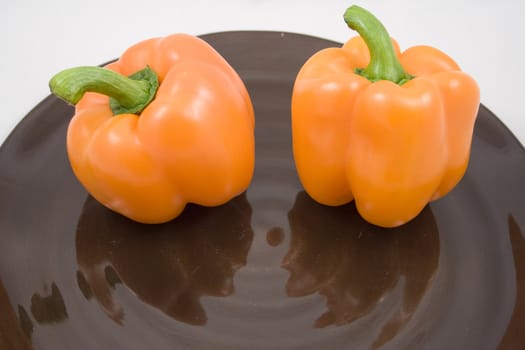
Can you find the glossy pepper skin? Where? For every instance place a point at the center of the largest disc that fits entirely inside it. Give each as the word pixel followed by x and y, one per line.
pixel 193 141
pixel 390 130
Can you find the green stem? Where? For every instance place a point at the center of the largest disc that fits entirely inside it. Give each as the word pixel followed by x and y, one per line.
pixel 127 94
pixel 384 64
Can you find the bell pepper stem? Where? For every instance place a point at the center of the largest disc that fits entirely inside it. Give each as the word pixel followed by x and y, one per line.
pixel 384 64
pixel 127 94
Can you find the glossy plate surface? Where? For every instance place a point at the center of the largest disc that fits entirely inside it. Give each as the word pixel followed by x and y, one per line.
pixel 269 270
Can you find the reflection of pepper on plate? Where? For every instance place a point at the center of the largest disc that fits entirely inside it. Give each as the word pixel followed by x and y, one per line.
pixel 357 266
pixel 12 332
pixel 512 338
pixel 169 266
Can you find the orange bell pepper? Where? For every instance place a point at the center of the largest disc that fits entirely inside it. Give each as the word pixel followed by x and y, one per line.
pixel 179 129
pixel 390 130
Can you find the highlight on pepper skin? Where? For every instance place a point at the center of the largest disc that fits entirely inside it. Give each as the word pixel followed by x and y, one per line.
pixel 391 130
pixel 152 131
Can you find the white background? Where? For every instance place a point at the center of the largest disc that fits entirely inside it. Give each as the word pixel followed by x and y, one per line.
pixel 40 37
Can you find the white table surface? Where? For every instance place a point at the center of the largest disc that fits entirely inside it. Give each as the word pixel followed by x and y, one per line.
pixel 40 37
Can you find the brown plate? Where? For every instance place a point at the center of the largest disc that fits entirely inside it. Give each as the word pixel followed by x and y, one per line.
pixel 269 270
